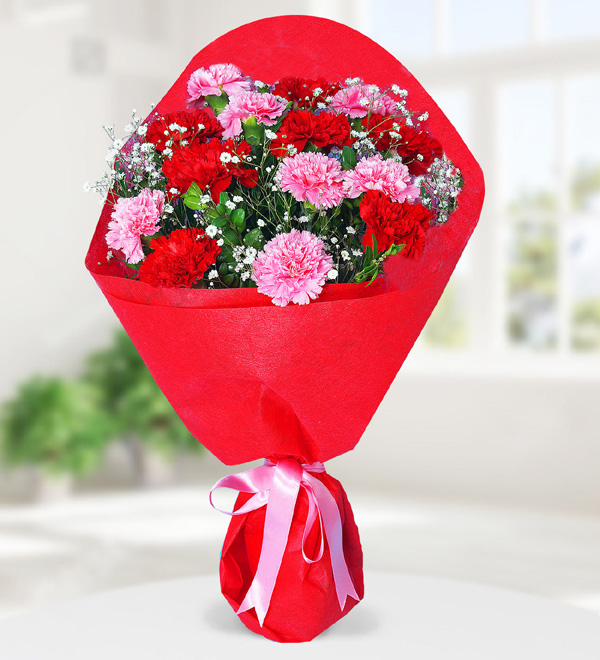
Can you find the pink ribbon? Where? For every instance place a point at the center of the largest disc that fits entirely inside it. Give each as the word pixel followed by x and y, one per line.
pixel 277 485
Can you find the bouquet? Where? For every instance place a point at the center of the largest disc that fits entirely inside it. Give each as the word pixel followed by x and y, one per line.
pixel 275 235
pixel 279 186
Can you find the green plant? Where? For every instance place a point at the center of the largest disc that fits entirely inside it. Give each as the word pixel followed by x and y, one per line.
pixel 133 401
pixel 55 425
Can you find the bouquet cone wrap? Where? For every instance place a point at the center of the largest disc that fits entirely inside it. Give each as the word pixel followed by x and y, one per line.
pixel 251 380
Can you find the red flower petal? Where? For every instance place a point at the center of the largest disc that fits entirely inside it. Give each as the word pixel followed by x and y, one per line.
pixel 159 132
pixel 394 223
pixel 179 259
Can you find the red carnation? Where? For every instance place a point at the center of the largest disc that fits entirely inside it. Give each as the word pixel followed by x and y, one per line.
pixel 332 130
pixel 378 128
pixel 247 176
pixel 297 89
pixel 394 223
pixel 179 259
pixel 413 143
pixel 301 126
pixel 159 131
pixel 297 128
pixel 202 164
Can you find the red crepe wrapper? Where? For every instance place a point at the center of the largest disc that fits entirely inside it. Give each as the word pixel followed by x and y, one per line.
pixel 303 603
pixel 249 379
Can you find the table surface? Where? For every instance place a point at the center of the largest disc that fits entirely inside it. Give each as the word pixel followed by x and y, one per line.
pixel 414 617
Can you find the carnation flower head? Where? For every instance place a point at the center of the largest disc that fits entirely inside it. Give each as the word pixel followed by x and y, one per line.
pixel 359 99
pixel 304 92
pixel 313 177
pixel 203 164
pixel 299 127
pixel 213 80
pixel 179 259
pixel 265 108
pixel 352 101
pixel 175 127
pixel 417 149
pixel 394 223
pixel 390 176
pixel 132 218
pixel 384 105
pixel 379 129
pixel 292 267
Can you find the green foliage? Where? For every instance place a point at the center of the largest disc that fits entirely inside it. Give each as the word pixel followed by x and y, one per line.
pixel 54 424
pixel 533 263
pixel 348 158
pixel 193 197
pixel 238 217
pixel 586 325
pixel 532 203
pixel 373 261
pixel 585 186
pixel 132 399
pixel 532 280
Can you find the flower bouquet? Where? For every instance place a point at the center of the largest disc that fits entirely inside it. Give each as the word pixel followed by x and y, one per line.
pixel 275 235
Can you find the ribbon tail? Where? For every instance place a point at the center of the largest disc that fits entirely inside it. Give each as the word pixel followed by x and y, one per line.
pixel 255 599
pixel 332 524
pixel 283 494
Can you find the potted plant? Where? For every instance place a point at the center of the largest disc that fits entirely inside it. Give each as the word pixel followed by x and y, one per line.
pixel 55 427
pixel 139 411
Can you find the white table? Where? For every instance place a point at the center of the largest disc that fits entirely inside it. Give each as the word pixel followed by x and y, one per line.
pixel 408 617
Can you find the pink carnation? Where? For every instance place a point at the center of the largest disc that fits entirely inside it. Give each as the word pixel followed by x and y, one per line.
pixel 359 99
pixel 352 101
pixel 312 177
pixel 292 267
pixel 389 176
pixel 384 105
pixel 132 218
pixel 218 77
pixel 264 107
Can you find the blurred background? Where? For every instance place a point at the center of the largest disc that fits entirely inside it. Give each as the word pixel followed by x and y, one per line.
pixel 483 461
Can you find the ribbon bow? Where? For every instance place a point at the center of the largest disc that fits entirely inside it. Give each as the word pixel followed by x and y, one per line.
pixel 277 485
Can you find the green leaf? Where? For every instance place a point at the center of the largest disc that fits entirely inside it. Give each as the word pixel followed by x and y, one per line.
pixel 220 222
pixel 348 158
pixel 375 246
pixel 231 237
pixel 146 239
pixel 228 279
pixel 238 217
pixel 223 270
pixel 192 198
pixel 225 254
pixel 223 199
pixel 254 239
pixel 221 210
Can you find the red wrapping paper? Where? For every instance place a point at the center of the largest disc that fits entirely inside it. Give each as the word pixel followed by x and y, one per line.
pixel 250 379
pixel 304 602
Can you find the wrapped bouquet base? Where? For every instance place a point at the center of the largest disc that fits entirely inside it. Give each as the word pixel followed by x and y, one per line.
pixel 290 567
pixel 295 385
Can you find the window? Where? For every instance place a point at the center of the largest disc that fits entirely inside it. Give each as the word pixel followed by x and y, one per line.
pixel 521 83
